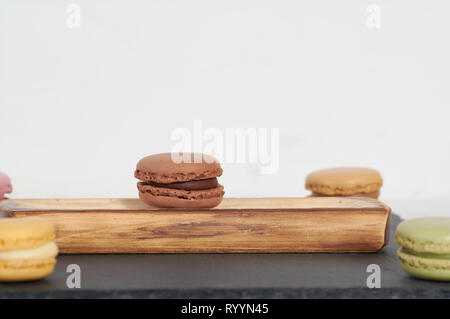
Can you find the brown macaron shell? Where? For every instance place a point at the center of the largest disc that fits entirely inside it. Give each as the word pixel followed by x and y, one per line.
pixel 161 168
pixel 175 202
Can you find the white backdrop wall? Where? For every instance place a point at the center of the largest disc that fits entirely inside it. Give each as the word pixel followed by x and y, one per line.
pixel 79 107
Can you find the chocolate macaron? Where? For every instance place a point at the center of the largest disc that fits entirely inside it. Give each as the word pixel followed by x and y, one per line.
pixel 345 181
pixel 187 180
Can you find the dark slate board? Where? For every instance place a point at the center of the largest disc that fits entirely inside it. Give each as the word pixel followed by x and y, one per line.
pixel 231 276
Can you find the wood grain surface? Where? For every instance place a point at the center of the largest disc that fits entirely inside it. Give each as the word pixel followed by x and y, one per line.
pixel 315 224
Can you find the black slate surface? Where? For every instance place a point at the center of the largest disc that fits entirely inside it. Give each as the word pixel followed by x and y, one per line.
pixel 231 276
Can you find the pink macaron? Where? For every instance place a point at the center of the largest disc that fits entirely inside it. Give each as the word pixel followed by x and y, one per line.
pixel 5 185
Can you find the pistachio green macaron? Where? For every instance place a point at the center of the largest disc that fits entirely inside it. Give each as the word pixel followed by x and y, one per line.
pixel 425 247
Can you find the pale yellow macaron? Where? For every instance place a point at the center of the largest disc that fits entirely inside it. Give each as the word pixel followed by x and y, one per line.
pixel 345 181
pixel 27 249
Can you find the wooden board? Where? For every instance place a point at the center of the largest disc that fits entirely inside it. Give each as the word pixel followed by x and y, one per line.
pixel 314 224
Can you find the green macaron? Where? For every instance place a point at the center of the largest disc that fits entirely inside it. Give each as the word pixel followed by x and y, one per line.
pixel 425 247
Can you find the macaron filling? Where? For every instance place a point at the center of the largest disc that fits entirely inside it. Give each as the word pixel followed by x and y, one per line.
pixel 422 262
pixel 426 255
pixel 181 193
pixel 209 183
pixel 45 251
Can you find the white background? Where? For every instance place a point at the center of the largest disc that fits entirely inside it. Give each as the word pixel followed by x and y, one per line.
pixel 79 107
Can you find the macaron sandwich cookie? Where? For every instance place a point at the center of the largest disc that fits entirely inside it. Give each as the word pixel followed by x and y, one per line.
pixel 179 180
pixel 425 247
pixel 345 181
pixel 27 249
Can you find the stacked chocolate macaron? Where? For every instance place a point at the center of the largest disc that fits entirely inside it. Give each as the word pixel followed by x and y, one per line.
pixel 187 180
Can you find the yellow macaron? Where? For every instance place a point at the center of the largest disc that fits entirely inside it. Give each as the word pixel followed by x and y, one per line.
pixel 345 181
pixel 27 249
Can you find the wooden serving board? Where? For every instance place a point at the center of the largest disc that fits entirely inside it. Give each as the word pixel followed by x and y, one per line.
pixel 238 225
